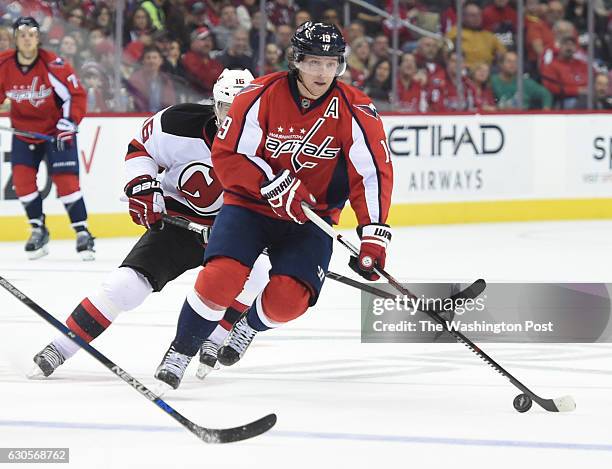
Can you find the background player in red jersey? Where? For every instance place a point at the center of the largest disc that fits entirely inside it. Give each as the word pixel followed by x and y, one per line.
pixel 177 139
pixel 293 137
pixel 47 98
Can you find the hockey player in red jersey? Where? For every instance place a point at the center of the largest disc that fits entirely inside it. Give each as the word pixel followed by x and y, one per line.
pixel 47 98
pixel 294 137
pixel 178 140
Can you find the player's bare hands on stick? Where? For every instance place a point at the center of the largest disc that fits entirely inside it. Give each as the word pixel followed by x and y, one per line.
pixel 67 129
pixel 146 202
pixel 375 239
pixel 285 194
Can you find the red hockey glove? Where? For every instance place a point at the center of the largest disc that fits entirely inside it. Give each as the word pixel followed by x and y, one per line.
pixel 146 202
pixel 375 239
pixel 66 132
pixel 285 193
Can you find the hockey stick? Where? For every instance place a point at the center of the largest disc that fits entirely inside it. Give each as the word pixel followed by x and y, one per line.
pixel 27 134
pixel 207 435
pixel 561 404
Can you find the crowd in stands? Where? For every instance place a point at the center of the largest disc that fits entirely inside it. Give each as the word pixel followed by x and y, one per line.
pixel 173 50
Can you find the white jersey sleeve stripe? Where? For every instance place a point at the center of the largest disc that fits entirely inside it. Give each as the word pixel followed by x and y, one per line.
pixel 64 94
pixel 250 138
pixel 363 161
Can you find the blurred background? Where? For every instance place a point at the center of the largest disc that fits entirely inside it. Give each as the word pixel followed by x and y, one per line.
pixel 410 56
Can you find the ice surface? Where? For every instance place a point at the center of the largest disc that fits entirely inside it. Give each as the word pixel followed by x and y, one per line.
pixel 340 403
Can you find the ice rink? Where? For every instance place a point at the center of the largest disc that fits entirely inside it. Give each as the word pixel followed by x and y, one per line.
pixel 340 403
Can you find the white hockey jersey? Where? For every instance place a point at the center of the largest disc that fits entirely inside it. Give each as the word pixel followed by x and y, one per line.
pixel 176 142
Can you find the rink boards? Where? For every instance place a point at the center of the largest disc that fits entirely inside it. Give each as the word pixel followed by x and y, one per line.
pixel 448 169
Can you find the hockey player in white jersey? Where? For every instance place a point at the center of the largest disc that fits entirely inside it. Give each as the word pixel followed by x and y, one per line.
pixel 175 142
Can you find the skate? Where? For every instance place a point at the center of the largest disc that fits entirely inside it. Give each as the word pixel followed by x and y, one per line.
pixel 85 245
pixel 37 245
pixel 238 341
pixel 208 359
pixel 172 368
pixel 46 362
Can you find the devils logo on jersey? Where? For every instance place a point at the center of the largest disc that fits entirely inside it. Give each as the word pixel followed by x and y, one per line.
pixel 201 189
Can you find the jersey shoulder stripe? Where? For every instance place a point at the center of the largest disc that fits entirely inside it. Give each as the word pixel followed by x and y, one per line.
pixel 186 120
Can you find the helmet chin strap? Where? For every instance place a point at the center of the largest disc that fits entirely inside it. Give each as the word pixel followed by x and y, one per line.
pixel 299 77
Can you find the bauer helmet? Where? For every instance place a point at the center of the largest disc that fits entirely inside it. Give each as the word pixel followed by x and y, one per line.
pixel 25 22
pixel 319 39
pixel 227 86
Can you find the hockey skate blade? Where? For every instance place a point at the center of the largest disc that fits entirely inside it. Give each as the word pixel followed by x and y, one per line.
pixel 205 370
pixel 42 252
pixel 160 388
pixel 36 373
pixel 565 404
pixel 87 256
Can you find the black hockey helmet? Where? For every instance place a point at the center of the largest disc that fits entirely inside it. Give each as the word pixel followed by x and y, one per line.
pixel 319 39
pixel 25 22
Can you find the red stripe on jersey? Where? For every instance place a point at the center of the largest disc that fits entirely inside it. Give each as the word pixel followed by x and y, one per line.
pixel 95 313
pixel 136 144
pixel 225 325
pixel 239 306
pixel 74 327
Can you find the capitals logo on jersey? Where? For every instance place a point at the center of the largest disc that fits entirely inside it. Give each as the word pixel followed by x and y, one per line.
pixel 301 146
pixel 35 95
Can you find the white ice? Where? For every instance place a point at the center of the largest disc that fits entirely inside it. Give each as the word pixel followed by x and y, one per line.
pixel 340 403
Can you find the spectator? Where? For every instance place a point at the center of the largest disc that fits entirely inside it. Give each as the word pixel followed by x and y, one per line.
pixel 135 49
pixel 272 62
pixel 602 101
pixel 566 77
pixel 483 94
pixel 561 30
pixel 5 39
pixel 380 47
pixel 409 11
pixel 245 11
pixel 412 96
pixel 378 86
pixel 302 16
pixel 331 16
pixel 358 61
pixel 280 11
pixel 442 90
pixel 284 33
pixel 97 86
pixel 76 18
pixel 138 23
pixel 102 18
pixel 504 85
pixel 173 65
pixel 151 89
pixel 428 55
pixel 228 24
pixel 539 35
pixel 202 70
pixel 448 19
pixel 68 51
pixel 354 31
pixel 478 45
pixel 155 9
pixel 500 18
pixel 238 55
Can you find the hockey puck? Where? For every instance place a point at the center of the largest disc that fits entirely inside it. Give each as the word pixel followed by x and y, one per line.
pixel 522 403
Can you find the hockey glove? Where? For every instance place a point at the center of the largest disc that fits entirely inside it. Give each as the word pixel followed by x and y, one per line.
pixel 375 239
pixel 285 194
pixel 67 129
pixel 146 202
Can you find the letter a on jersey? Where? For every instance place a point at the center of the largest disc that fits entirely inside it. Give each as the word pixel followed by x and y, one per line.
pixel 332 108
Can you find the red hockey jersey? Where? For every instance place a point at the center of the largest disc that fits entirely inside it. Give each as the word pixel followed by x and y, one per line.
pixel 335 145
pixel 41 93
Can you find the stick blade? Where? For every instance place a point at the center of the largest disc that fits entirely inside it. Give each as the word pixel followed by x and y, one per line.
pixel 565 404
pixel 230 435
